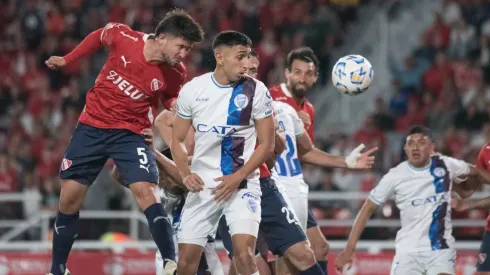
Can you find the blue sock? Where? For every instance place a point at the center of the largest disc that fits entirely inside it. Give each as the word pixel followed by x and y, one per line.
pixel 324 266
pixel 64 233
pixel 161 230
pixel 313 270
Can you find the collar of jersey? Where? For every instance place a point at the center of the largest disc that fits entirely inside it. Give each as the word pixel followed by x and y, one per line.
pixel 422 168
pixel 222 86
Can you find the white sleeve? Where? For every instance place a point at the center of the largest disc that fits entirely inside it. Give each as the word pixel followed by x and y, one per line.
pixel 262 103
pixel 458 169
pixel 384 190
pixel 184 101
pixel 299 127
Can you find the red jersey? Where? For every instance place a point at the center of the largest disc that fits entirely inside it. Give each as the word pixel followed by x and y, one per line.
pixel 483 162
pixel 128 89
pixel 281 93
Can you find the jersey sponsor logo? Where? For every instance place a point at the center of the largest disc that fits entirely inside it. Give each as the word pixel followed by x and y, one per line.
pixel 241 101
pixel 482 257
pixel 156 84
pixel 436 199
pixel 65 164
pixel 219 130
pixel 250 195
pixel 129 36
pixel 125 86
pixel 281 98
pixel 202 99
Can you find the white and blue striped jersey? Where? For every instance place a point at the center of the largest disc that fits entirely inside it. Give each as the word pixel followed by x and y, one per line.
pixel 287 172
pixel 423 196
pixel 223 117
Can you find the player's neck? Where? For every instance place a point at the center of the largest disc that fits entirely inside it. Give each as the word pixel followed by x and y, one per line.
pixel 220 77
pixel 150 52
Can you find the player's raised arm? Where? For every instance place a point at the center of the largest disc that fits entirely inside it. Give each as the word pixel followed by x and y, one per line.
pixel 382 192
pixel 94 41
pixel 355 160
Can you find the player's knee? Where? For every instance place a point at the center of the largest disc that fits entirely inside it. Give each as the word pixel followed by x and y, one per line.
pixel 144 193
pixel 301 256
pixel 187 266
pixel 72 195
pixel 321 249
pixel 244 258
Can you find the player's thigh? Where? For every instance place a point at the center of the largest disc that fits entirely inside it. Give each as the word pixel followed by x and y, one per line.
pixel 134 158
pixel 483 264
pixel 225 235
pixel 199 218
pixel 406 264
pixel 85 156
pixel 441 262
pixel 279 223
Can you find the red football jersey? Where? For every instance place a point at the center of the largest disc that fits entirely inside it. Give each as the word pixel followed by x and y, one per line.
pixel 483 162
pixel 128 89
pixel 281 93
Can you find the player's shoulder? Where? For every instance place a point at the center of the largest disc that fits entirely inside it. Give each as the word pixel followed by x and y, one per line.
pixel 399 171
pixel 200 81
pixel 283 108
pixel 277 92
pixel 485 150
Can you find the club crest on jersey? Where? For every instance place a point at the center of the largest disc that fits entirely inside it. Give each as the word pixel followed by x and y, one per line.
pixel 482 257
pixel 156 84
pixel 241 101
pixel 252 205
pixel 439 172
pixel 65 164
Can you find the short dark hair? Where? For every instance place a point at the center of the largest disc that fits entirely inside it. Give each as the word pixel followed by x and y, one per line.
pixel 179 23
pixel 230 39
pixel 254 53
pixel 419 129
pixel 305 54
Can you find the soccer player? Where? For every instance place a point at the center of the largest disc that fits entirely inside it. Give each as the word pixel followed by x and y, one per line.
pixel 229 112
pixel 301 74
pixel 483 162
pixel 421 187
pixel 141 70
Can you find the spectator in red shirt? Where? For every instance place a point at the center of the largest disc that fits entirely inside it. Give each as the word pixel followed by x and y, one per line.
pixel 370 135
pixel 439 33
pixel 8 181
pixel 414 115
pixel 436 76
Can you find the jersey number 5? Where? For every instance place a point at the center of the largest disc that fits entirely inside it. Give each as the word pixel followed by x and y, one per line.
pixel 142 154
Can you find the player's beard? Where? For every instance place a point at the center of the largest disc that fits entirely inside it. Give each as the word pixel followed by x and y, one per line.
pixel 299 92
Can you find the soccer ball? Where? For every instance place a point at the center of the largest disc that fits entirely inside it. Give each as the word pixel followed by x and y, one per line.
pixel 352 75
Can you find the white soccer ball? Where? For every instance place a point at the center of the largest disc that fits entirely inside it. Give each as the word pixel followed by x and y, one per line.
pixel 352 75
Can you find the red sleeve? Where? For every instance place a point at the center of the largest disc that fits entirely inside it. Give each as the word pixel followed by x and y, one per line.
pixel 89 45
pixel 481 161
pixel 110 33
pixel 311 130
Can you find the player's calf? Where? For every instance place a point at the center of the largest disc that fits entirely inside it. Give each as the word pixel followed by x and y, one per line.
pixel 65 228
pixel 319 245
pixel 302 259
pixel 158 222
pixel 243 253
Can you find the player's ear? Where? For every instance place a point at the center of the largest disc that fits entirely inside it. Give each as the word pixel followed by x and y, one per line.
pixel 218 55
pixel 287 73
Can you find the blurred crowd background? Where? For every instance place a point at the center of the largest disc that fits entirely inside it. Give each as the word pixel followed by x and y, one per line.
pixel 444 84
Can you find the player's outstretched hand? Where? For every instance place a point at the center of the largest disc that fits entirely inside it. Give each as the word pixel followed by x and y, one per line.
pixel 459 204
pixel 225 189
pixel 343 262
pixel 55 62
pixel 193 183
pixel 358 160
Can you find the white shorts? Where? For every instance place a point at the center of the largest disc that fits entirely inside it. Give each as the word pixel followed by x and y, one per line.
pixel 428 263
pixel 201 214
pixel 300 206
